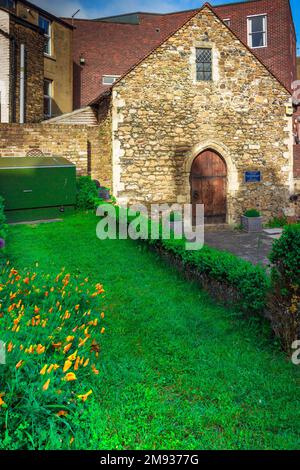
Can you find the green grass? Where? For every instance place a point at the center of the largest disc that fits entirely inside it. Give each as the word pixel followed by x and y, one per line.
pixel 178 370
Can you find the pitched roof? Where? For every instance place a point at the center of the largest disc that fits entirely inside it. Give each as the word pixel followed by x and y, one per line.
pixel 194 13
pixel 113 45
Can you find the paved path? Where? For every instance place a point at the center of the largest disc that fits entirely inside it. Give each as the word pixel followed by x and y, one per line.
pixel 253 247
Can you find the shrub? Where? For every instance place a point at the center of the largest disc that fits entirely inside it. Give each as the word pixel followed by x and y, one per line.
pixel 51 329
pixel 284 302
pixel 277 222
pixel 249 282
pixel 87 193
pixel 252 213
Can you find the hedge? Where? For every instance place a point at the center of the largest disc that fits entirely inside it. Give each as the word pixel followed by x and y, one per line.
pixel 219 270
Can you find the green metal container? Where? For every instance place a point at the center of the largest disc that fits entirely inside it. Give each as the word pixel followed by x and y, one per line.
pixel 37 188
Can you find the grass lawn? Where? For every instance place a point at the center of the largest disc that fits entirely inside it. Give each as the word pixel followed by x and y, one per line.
pixel 178 370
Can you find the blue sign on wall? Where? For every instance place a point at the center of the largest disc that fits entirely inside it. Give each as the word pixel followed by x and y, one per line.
pixel 252 176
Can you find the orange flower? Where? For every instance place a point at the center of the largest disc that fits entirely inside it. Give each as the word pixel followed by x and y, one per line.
pixel 1 401
pixel 77 307
pixel 67 366
pixel 62 413
pixel 85 397
pixel 36 310
pixel 46 385
pixel 10 347
pixel 86 363
pixel 95 370
pixel 69 338
pixel 26 280
pixel 67 348
pixel 56 345
pixel 40 349
pixel 43 370
pixel 50 369
pixel 20 364
pixel 102 315
pixel 82 341
pixel 46 294
pixel 76 365
pixel 102 331
pixel 70 376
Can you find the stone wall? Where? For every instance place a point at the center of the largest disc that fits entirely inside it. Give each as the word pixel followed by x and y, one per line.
pixel 4 69
pixel 103 165
pixel 163 118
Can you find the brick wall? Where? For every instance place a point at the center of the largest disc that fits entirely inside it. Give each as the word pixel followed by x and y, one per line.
pixel 34 91
pixel 112 48
pixel 79 144
pixel 4 68
pixel 297 161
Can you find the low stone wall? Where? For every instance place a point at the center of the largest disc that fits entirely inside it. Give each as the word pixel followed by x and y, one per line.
pixel 79 144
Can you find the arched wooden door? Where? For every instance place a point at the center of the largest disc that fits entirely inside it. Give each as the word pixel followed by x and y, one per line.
pixel 208 186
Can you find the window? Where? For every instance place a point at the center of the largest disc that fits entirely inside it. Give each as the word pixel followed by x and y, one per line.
pixel 204 64
pixel 257 31
pixel 227 22
pixel 45 25
pixel 109 79
pixel 48 86
pixel 8 4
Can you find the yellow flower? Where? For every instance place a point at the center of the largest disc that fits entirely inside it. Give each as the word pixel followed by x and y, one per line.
pixel 1 401
pixel 69 338
pixel 43 370
pixel 46 385
pixel 73 356
pixel 102 331
pixel 82 341
pixel 67 348
pixel 36 309
pixel 85 397
pixel 70 376
pixel 67 366
pixel 86 363
pixel 50 369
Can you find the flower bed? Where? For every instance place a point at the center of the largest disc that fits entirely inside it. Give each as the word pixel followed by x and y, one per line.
pixel 51 329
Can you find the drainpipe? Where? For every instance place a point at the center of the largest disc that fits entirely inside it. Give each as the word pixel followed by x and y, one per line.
pixel 22 84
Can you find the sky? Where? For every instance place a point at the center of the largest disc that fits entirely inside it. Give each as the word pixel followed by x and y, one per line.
pixel 101 8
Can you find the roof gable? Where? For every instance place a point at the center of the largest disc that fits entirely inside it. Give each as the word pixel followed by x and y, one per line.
pixel 193 13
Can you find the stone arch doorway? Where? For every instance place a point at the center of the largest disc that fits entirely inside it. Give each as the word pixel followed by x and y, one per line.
pixel 208 184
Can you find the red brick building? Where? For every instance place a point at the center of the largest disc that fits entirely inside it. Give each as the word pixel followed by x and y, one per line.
pixel 106 48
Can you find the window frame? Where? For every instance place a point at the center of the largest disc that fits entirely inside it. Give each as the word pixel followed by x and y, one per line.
pixel 211 79
pixel 48 97
pixel 114 77
pixel 47 36
pixel 9 5
pixel 250 32
pixel 227 21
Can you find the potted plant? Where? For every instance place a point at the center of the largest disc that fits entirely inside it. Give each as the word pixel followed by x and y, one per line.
pixel 252 221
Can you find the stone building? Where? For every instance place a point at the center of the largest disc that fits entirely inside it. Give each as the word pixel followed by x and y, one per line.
pixel 105 48
pixel 200 118
pixel 48 62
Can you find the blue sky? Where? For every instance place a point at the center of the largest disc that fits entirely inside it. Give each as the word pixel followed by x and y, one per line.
pixel 99 8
